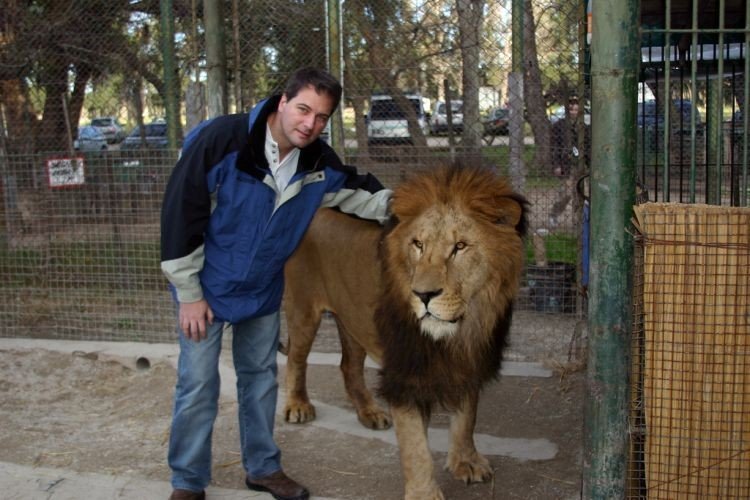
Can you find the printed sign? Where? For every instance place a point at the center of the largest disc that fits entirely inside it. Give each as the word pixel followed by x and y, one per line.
pixel 65 172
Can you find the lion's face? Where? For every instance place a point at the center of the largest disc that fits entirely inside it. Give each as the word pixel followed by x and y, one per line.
pixel 456 263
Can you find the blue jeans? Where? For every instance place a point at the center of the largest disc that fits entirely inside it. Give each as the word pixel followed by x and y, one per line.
pixel 254 345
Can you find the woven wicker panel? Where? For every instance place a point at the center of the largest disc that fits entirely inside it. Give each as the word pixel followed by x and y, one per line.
pixel 695 361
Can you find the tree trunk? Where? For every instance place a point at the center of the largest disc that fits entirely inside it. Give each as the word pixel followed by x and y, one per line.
pixel 215 58
pixel 536 113
pixel 470 25
pixel 53 131
pixel 20 122
pixel 83 74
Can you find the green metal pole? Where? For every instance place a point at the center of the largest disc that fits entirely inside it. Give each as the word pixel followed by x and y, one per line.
pixel 615 51
pixel 170 73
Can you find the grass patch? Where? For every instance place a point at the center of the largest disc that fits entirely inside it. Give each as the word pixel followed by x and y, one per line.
pixel 82 264
pixel 500 155
pixel 559 247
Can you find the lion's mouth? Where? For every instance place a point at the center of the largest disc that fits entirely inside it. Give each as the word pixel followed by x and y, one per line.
pixel 438 328
pixel 429 315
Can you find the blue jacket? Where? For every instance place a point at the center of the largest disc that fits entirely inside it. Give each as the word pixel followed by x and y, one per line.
pixel 226 232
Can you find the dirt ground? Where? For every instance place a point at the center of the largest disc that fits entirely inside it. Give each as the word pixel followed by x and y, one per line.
pixel 82 412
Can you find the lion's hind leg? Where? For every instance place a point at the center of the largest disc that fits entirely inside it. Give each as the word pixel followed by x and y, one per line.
pixel 353 355
pixel 464 461
pixel 302 327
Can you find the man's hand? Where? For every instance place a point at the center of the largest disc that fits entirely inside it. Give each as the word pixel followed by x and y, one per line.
pixel 193 318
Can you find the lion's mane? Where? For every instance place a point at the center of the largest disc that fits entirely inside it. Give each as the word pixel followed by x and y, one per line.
pixel 417 369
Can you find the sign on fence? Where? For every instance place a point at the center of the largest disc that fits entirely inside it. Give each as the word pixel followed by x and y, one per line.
pixel 65 172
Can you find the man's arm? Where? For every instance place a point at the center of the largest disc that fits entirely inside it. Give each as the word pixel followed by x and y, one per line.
pixel 362 195
pixel 185 212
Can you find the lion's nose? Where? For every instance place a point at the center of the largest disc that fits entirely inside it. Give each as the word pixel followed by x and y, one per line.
pixel 425 297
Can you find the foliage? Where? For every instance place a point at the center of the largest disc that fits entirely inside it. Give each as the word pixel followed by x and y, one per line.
pixel 104 57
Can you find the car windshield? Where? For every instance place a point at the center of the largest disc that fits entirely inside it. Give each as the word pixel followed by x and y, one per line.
pixel 101 122
pixel 500 113
pixel 456 107
pixel 387 109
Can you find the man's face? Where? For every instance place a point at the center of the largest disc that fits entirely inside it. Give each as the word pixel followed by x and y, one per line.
pixel 304 117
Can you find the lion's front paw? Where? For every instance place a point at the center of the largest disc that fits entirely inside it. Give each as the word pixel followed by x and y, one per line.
pixel 375 418
pixel 299 412
pixel 469 469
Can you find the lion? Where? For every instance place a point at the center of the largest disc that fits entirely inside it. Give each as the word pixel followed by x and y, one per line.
pixel 429 297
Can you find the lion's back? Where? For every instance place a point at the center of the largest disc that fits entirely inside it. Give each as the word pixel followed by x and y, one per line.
pixel 336 269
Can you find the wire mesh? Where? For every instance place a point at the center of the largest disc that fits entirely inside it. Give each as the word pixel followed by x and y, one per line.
pixel 80 246
pixel 690 414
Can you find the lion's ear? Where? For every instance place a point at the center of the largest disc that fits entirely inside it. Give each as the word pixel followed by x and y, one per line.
pixel 509 211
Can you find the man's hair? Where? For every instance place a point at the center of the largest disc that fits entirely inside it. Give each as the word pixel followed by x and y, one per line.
pixel 322 81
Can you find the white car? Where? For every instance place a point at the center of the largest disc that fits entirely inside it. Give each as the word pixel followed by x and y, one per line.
pixel 387 123
pixel 439 119
pixel 90 139
pixel 110 128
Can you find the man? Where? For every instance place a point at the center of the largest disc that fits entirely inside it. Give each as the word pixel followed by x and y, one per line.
pixel 236 206
pixel 565 157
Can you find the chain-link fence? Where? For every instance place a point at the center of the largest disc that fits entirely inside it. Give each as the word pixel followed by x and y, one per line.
pixel 85 141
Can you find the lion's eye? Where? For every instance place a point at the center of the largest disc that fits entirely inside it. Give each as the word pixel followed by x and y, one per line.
pixel 458 247
pixel 417 244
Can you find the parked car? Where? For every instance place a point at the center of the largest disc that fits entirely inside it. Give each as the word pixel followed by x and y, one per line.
pixel 651 116
pixel 496 122
pixel 90 139
pixel 439 119
pixel 650 121
pixel 110 128
pixel 386 121
pixel 155 137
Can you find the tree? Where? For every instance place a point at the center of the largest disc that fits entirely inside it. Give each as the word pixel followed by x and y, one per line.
pixel 55 48
pixel 470 17
pixel 536 109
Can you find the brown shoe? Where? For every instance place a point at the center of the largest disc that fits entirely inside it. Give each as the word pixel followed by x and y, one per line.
pixel 187 495
pixel 279 485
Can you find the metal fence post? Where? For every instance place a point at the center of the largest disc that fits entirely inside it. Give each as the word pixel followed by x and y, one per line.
pixel 615 52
